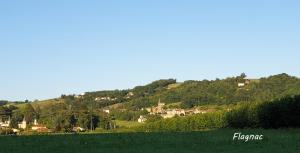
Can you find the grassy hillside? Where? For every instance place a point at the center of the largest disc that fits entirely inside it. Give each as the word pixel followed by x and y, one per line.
pixel 190 93
pixel 42 104
pixel 219 141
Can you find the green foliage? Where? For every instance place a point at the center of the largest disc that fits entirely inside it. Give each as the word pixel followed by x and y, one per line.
pixel 3 102
pixel 189 123
pixel 5 111
pixel 150 89
pixel 70 110
pixel 226 91
pixel 29 113
pixel 17 117
pixel 244 116
pixel 153 118
pixel 281 113
pixel 128 115
pixel 107 122
pixel 195 93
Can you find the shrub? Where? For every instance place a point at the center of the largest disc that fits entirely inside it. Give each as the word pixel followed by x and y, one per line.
pixel 188 123
pixel 243 116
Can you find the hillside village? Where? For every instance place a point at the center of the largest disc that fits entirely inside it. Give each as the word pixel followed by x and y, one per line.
pixel 5 123
pixel 162 99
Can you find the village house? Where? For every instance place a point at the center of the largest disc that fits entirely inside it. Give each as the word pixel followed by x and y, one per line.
pixel 170 113
pixel 39 127
pixel 23 124
pixel 105 98
pixel 195 111
pixel 78 129
pixel 244 83
pixel 79 96
pixel 159 109
pixel 129 95
pixel 5 123
pixel 142 119
pixel 106 111
pixel 4 120
pixel 241 84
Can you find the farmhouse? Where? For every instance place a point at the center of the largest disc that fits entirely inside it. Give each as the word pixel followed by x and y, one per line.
pixel 79 96
pixel 195 111
pixel 23 124
pixel 106 111
pixel 105 99
pixel 129 95
pixel 39 127
pixel 5 118
pixel 244 83
pixel 173 112
pixel 78 129
pixel 142 119
pixel 5 123
pixel 241 84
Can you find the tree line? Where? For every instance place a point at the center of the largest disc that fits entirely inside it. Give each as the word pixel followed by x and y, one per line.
pixel 279 113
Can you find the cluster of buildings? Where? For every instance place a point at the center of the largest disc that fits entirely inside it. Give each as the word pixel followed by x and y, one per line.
pixel 107 98
pixel 160 109
pixel 5 123
pixel 165 112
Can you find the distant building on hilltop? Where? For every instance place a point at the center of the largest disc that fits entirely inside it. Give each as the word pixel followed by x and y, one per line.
pixel 129 95
pixel 244 82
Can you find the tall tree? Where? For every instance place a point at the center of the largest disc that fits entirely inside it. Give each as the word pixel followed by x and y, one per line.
pixel 29 113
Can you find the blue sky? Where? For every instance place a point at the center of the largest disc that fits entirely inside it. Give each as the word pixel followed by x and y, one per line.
pixel 55 47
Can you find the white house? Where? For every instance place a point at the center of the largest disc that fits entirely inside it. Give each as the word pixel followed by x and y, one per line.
pixel 106 111
pixel 5 121
pixel 78 129
pixel 142 119
pixel 129 95
pixel 173 112
pixel 5 124
pixel 23 124
pixel 241 84
pixel 38 127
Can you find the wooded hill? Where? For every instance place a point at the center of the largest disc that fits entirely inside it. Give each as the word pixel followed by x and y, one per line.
pixel 191 93
pixel 78 110
pixel 198 93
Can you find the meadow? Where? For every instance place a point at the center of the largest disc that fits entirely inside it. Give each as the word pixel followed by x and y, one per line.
pixel 210 141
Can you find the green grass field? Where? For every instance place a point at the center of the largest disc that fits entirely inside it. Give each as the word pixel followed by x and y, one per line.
pixel 281 141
